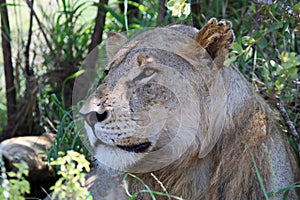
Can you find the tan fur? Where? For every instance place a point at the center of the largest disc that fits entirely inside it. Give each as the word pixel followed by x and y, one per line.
pixel 170 79
pixel 216 38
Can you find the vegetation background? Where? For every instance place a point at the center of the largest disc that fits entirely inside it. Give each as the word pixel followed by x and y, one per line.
pixel 44 43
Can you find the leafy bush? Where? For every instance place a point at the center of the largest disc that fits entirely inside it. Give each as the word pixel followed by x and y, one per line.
pixel 15 185
pixel 72 181
pixel 267 52
pixel 71 185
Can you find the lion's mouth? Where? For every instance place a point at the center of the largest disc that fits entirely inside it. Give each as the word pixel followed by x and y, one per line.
pixel 139 148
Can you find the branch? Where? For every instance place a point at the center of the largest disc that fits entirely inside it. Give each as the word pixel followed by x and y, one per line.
pixel 99 26
pixel 8 71
pixel 196 7
pixel 40 25
pixel 29 71
pixel 289 123
pixel 161 12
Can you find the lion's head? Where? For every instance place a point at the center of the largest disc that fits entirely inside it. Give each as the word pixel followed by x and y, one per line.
pixel 153 105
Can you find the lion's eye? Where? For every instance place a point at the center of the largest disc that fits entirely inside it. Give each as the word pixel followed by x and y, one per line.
pixel 146 75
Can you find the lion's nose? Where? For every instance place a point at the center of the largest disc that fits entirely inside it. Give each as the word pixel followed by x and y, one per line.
pixel 93 117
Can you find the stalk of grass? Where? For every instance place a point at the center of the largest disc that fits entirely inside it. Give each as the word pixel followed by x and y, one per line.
pixel 259 177
pixel 148 189
pixel 141 181
pixel 284 190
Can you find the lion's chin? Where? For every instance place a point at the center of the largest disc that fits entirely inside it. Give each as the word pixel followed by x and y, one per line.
pixel 115 157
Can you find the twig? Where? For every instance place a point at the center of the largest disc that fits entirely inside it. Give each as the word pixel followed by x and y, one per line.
pixel 276 48
pixel 161 12
pixel 257 18
pixel 289 123
pixel 99 25
pixel 197 12
pixel 28 71
pixel 40 25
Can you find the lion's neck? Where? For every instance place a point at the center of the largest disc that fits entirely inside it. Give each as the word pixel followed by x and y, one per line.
pixel 212 176
pixel 175 179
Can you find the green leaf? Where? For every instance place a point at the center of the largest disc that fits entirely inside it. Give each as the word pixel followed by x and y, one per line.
pixel 285 190
pixel 115 15
pixel 248 54
pixel 134 196
pixel 278 85
pixel 230 60
pixel 292 73
pixel 11 174
pixel 142 8
pixel 247 40
pixel 237 48
pixel 275 27
pixel 170 4
pixel 262 43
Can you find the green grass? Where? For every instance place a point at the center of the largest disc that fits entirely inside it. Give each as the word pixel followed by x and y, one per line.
pixel 147 190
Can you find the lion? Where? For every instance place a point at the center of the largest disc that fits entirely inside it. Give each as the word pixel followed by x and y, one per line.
pixel 170 113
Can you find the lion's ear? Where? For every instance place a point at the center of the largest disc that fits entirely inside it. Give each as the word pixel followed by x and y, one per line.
pixel 217 38
pixel 113 43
